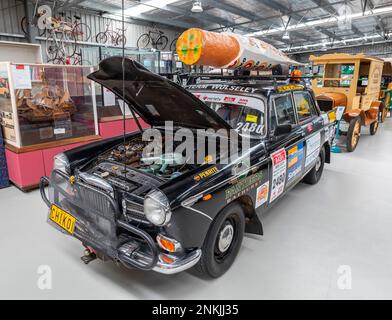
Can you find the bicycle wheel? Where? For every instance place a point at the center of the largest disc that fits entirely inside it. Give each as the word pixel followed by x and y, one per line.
pixel 121 40
pixel 51 46
pixel 161 43
pixel 101 37
pixel 82 32
pixel 68 43
pixel 143 41
pixel 173 44
pixel 23 25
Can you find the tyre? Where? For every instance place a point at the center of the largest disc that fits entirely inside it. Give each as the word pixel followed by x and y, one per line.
pixel 315 174
pixel 173 45
pixel 23 25
pixel 353 134
pixel 383 114
pixel 161 43
pixel 81 32
pixel 121 40
pixel 68 43
pixel 51 47
pixel 143 41
pixel 374 127
pixel 223 241
pixel 101 37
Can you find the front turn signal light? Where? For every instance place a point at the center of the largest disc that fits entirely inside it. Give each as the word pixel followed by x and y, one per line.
pixel 168 244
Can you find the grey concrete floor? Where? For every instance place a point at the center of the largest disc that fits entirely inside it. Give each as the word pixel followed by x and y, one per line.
pixel 345 220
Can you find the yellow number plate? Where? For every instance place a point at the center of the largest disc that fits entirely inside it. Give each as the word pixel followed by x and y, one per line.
pixel 62 218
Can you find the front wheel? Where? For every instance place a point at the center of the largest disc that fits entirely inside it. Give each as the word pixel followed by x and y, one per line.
pixel 101 37
pixel 353 134
pixel 315 174
pixel 223 242
pixel 374 127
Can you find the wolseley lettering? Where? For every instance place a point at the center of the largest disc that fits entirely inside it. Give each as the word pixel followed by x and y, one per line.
pixel 233 88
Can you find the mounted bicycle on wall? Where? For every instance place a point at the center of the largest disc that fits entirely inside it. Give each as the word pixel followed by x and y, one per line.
pixel 155 37
pixel 112 37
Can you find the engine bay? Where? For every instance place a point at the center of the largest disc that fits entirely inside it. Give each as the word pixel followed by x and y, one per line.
pixel 127 167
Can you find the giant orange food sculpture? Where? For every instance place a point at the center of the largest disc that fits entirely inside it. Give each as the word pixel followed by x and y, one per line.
pixel 228 51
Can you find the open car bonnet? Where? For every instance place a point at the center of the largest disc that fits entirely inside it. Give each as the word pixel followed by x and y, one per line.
pixel 155 98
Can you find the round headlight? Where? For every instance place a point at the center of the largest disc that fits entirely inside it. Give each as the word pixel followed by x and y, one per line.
pixel 157 208
pixel 61 163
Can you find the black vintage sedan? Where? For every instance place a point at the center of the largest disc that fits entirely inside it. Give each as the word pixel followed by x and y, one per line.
pixel 171 216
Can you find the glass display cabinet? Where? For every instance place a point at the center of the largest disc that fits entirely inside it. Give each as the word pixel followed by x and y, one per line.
pixel 44 110
pixel 46 103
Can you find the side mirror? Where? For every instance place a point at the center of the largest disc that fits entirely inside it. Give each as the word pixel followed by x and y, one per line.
pixel 283 129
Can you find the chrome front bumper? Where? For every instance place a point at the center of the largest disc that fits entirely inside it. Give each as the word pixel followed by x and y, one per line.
pixel 179 265
pixel 143 255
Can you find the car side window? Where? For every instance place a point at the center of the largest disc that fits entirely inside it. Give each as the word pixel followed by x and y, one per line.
pixel 283 112
pixel 304 105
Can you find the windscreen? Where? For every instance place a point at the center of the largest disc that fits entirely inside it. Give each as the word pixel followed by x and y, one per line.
pixel 244 114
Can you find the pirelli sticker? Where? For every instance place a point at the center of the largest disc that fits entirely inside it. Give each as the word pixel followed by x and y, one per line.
pixel 289 88
pixel 206 173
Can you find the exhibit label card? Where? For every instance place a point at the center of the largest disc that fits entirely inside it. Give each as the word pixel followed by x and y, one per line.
pixel 21 76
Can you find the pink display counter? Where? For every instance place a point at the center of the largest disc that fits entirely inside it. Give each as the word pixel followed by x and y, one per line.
pixel 27 165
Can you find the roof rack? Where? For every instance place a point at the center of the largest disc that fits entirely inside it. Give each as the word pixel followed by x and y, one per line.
pixel 274 78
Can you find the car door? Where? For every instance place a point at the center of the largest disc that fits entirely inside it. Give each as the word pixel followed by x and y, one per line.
pixel 285 147
pixel 311 123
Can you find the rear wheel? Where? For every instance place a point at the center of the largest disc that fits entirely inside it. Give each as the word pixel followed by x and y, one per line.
pixel 384 114
pixel 143 41
pixel 161 43
pixel 315 174
pixel 353 134
pixel 223 242
pixel 374 127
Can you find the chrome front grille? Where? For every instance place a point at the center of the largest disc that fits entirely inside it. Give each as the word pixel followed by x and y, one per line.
pixel 98 202
pixel 135 211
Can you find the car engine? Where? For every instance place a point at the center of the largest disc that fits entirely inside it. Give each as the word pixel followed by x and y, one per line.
pixel 127 168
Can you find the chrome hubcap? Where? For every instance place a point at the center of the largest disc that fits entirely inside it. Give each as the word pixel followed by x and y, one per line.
pixel 225 238
pixel 318 163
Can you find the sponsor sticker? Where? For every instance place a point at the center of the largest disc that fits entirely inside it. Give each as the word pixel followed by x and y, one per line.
pixel 262 194
pixel 206 173
pixel 325 118
pixel 251 118
pixel 332 117
pixel 294 161
pixel 278 173
pixel 289 88
pixel 243 186
pixel 312 148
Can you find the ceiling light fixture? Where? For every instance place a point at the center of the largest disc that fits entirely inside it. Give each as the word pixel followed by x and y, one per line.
pixel 197 7
pixel 147 6
pixel 324 44
pixel 331 20
pixel 286 35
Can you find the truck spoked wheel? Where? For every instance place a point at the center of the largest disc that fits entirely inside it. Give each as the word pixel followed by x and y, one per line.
pixel 374 127
pixel 223 242
pixel 353 134
pixel 384 114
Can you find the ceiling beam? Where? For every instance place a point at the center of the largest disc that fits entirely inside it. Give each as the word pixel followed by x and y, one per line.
pixel 379 21
pixel 294 15
pixel 115 10
pixel 248 15
pixel 332 11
